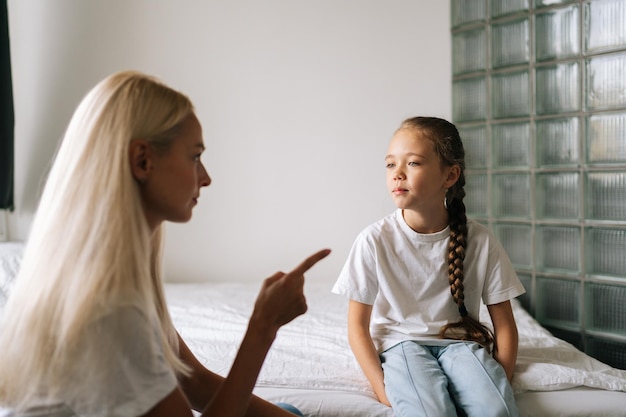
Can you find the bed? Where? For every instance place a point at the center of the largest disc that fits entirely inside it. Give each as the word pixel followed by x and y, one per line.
pixel 310 364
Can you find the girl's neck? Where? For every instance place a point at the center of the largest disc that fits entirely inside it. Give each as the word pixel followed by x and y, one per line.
pixel 426 224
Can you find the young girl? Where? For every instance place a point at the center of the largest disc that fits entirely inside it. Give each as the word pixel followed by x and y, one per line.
pixel 415 280
pixel 86 331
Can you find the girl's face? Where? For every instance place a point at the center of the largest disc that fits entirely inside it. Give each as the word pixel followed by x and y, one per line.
pixel 416 177
pixel 172 186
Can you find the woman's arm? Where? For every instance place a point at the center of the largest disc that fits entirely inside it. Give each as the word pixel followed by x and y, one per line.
pixel 505 332
pixel 201 386
pixel 363 347
pixel 280 300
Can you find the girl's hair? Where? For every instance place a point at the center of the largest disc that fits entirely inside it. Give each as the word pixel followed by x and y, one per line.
pixel 447 142
pixel 90 249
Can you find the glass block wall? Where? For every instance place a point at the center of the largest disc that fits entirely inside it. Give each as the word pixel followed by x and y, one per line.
pixel 539 97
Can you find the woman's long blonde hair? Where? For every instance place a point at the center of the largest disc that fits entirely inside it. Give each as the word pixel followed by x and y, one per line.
pixel 90 248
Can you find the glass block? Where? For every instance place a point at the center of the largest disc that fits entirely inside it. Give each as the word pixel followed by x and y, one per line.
pixel 606 196
pixel 476 194
pixel 605 249
pixel 557 142
pixel 469 51
pixel 527 282
pixel 516 241
pixel 467 11
pixel 605 27
pixel 475 145
pixel 511 145
pixel 606 309
pixel 611 352
pixel 558 301
pixel 501 8
pixel 509 43
pixel 558 195
pixel 606 84
pixel 544 3
pixel 557 33
pixel 606 138
pixel 511 195
pixel 558 88
pixel 511 95
pixel 469 99
pixel 558 248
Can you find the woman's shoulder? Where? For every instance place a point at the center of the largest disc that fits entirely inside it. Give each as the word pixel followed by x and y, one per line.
pixel 123 322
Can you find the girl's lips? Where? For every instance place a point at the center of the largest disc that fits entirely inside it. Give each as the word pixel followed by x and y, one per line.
pixel 399 190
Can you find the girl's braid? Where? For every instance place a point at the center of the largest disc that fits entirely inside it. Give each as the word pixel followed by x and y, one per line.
pixel 457 245
pixel 449 147
pixel 471 329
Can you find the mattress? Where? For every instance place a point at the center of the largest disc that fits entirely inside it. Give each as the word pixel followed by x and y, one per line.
pixel 311 366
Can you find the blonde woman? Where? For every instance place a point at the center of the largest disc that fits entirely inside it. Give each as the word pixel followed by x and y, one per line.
pixel 86 331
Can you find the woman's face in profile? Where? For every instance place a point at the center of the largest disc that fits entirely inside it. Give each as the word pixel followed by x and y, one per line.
pixel 172 187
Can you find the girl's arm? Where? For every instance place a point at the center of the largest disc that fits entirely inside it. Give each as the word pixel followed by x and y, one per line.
pixel 363 347
pixel 505 332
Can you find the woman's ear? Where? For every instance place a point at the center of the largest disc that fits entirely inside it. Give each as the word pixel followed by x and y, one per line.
pixel 139 159
pixel 454 172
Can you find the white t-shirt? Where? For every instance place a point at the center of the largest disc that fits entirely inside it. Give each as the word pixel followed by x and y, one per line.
pixel 131 376
pixel 403 274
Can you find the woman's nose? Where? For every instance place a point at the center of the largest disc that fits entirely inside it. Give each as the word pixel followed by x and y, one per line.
pixel 205 179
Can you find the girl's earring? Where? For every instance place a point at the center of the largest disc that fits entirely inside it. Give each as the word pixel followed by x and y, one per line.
pixel 445 199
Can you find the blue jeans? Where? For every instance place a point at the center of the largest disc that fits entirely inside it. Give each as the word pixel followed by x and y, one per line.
pixel 290 408
pixel 459 379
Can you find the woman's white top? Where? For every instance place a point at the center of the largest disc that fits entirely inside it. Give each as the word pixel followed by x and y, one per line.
pixel 120 370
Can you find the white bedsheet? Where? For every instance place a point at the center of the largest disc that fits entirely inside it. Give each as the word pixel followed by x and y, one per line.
pixel 311 366
pixel 312 352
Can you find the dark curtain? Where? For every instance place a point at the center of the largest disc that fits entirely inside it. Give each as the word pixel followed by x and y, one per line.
pixel 6 113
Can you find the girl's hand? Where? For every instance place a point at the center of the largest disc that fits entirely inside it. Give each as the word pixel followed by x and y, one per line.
pixel 281 298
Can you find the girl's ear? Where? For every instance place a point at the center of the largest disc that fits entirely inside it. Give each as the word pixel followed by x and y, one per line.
pixel 454 172
pixel 139 158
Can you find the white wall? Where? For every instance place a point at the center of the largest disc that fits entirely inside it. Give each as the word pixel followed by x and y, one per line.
pixel 297 98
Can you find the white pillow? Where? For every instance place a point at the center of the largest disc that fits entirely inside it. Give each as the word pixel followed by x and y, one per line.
pixel 10 259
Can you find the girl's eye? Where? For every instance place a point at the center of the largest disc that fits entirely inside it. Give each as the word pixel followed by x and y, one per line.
pixel 389 165
pixel 414 164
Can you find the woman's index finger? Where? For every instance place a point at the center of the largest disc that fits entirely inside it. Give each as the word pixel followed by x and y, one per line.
pixel 309 262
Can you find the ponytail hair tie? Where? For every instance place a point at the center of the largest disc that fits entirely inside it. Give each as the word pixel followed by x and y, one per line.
pixel 462 310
